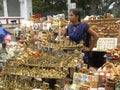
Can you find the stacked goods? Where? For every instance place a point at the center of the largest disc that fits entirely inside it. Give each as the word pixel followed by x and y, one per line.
pixel 113 54
pixel 107 76
pixel 106 27
pixel 113 79
pixel 37 59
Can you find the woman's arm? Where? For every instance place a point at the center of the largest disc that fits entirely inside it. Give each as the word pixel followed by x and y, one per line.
pixel 94 39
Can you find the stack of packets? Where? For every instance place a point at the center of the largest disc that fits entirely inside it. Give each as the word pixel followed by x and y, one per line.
pixel 86 81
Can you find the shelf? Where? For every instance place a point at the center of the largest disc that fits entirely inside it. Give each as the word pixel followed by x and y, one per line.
pixel 42 76
pixel 52 66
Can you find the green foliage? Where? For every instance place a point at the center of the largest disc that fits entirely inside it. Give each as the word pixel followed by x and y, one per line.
pixel 49 6
pixel 54 5
pixel 81 3
pixel 37 6
pixel 1 6
pixel 46 6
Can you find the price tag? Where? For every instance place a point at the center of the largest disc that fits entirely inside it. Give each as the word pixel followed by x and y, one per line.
pixel 104 43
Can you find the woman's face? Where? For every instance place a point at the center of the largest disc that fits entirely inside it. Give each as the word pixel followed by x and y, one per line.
pixel 73 18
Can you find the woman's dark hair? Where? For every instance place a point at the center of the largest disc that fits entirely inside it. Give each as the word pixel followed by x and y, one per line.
pixel 77 13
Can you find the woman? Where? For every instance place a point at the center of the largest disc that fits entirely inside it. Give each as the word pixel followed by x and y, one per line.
pixel 78 31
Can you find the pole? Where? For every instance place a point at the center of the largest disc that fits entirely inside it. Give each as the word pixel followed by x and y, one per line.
pixel 69 6
pixel 5 8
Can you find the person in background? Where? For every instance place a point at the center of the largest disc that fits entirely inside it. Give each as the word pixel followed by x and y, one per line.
pixel 77 31
pixel 3 33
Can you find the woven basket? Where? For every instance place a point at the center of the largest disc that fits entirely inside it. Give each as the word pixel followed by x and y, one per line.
pixel 110 84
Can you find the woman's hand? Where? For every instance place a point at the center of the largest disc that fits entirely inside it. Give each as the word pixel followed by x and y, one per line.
pixel 87 49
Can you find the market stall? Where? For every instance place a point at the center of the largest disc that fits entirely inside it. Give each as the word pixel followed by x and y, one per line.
pixel 43 53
